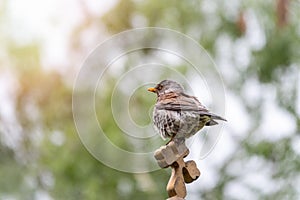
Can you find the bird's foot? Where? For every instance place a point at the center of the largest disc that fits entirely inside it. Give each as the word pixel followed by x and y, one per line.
pixel 178 141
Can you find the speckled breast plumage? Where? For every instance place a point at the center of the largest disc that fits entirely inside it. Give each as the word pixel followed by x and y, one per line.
pixel 182 124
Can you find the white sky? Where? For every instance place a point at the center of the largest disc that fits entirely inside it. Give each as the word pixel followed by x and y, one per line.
pixel 50 23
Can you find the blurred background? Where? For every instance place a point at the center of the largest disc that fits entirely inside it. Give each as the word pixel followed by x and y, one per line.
pixel 255 44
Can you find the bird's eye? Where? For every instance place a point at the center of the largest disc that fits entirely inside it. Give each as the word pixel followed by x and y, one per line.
pixel 159 87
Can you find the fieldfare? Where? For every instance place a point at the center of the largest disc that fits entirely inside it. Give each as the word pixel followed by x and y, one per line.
pixel 177 115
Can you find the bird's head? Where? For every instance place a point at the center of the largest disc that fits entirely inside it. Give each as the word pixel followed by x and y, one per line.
pixel 166 86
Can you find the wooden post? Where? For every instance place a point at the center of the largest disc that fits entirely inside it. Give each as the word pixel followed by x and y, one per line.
pixel 172 155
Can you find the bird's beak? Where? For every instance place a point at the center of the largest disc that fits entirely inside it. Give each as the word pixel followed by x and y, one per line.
pixel 152 89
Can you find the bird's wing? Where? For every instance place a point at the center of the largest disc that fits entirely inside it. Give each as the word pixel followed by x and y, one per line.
pixel 180 102
pixel 185 102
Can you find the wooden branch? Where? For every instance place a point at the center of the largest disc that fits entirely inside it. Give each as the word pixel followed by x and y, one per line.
pixel 172 155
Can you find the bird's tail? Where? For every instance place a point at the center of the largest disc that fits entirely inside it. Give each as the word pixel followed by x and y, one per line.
pixel 213 117
pixel 217 117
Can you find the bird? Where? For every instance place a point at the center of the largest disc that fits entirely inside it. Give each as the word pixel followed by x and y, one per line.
pixel 177 115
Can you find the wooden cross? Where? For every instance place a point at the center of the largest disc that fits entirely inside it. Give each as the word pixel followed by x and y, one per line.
pixel 172 155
